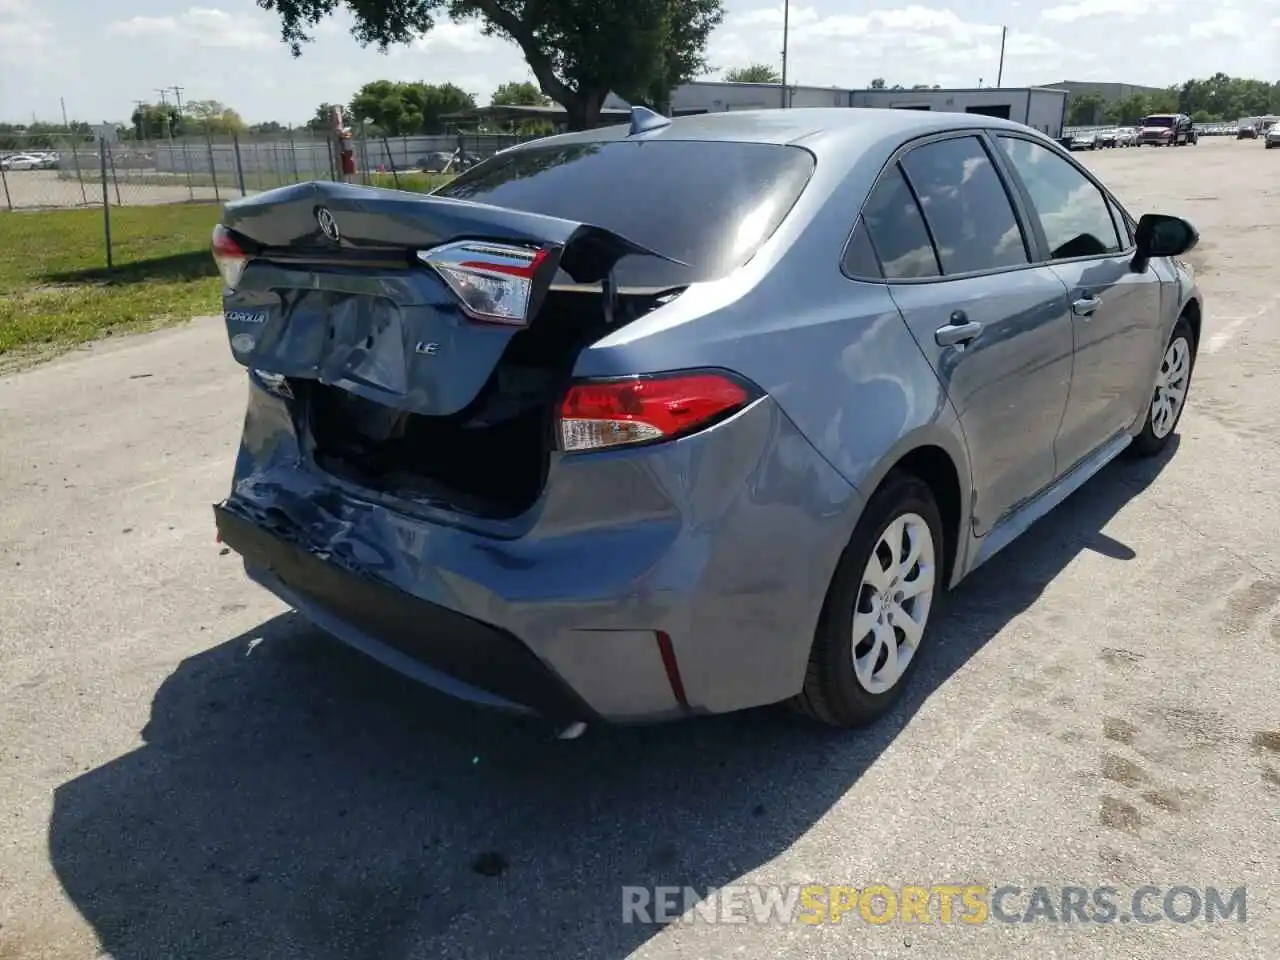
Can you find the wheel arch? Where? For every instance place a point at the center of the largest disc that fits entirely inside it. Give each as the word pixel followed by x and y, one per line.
pixel 939 460
pixel 1194 313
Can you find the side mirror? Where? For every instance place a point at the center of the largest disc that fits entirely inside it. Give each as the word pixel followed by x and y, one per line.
pixel 1159 235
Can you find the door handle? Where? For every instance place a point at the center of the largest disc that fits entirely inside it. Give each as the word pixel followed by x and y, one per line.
pixel 1086 306
pixel 957 334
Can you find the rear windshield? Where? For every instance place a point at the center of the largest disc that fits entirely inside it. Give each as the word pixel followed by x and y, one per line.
pixel 708 204
pixel 1157 121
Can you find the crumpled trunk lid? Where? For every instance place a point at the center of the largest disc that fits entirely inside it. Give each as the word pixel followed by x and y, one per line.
pixel 334 290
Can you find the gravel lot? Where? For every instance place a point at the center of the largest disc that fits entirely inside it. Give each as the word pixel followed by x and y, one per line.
pixel 186 771
pixel 44 188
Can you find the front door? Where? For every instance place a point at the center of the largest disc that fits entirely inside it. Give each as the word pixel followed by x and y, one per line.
pixel 1112 308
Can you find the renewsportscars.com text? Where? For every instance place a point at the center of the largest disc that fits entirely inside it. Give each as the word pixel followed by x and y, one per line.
pixel 969 904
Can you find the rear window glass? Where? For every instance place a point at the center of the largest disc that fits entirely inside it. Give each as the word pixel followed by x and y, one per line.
pixel 709 204
pixel 1157 121
pixel 897 230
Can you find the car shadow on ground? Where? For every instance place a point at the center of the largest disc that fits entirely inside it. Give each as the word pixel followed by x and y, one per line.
pixel 294 800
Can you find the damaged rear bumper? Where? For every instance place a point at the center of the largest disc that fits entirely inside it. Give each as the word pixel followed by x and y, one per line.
pixel 646 585
pixel 449 651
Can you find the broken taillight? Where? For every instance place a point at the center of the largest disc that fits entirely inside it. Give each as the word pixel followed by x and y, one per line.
pixel 610 413
pixel 229 256
pixel 494 281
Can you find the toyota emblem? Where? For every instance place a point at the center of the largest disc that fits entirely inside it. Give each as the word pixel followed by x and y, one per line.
pixel 328 225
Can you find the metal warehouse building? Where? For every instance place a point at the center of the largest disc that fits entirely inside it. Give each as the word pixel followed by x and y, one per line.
pixel 1041 107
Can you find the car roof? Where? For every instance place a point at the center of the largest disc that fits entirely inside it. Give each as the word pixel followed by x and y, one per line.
pixel 820 128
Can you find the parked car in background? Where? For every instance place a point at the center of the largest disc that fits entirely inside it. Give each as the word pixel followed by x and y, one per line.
pixel 1166 129
pixel 21 161
pixel 550 445
pixel 1272 137
pixel 1087 140
pixel 1126 137
pixel 434 162
pixel 1106 138
pixel 1247 132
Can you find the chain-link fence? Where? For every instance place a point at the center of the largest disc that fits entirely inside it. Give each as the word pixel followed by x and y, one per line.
pixel 47 171
pixel 44 172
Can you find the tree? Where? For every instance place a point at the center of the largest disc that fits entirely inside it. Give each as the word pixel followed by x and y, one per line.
pixel 320 122
pixel 877 84
pixel 436 101
pixel 399 109
pixel 523 94
pixel 580 51
pixel 383 103
pixel 155 121
pixel 269 127
pixel 1084 111
pixel 210 116
pixel 755 73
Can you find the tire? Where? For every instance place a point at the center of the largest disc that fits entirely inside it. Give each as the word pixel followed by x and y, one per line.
pixel 833 692
pixel 1157 432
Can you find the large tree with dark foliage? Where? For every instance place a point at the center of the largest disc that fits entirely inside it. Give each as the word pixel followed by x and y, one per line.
pixel 579 50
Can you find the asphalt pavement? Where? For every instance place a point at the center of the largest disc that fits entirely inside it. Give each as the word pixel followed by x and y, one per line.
pixel 189 771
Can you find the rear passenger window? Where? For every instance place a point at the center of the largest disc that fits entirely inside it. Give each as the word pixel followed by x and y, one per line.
pixel 897 231
pixel 859 257
pixel 1073 213
pixel 966 206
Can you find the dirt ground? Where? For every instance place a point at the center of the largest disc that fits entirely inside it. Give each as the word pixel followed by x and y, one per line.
pixel 31 189
pixel 188 771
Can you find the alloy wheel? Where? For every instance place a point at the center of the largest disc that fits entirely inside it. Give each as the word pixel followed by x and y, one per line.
pixel 893 604
pixel 1171 387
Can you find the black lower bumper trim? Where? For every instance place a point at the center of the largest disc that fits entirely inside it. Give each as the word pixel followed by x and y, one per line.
pixel 474 653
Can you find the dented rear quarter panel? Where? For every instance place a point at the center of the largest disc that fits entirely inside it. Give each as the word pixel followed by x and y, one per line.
pixel 725 540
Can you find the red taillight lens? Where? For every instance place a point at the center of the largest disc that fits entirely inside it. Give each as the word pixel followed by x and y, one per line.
pixel 610 413
pixel 229 257
pixel 494 281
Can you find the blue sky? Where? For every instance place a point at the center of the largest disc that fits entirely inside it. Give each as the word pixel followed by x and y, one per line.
pixel 101 55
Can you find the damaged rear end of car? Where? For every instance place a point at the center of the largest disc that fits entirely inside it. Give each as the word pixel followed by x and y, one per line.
pixel 422 474
pixel 425 342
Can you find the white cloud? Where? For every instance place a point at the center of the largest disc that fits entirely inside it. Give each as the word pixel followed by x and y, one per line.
pixel 912 44
pixel 201 26
pixel 1227 23
pixel 102 57
pixel 25 34
pixel 1092 9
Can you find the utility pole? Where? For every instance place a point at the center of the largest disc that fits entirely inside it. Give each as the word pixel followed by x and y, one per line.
pixel 786 25
pixel 177 93
pixel 1004 32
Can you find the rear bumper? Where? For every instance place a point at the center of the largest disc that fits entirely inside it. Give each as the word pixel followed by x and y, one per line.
pixel 454 653
pixel 646 585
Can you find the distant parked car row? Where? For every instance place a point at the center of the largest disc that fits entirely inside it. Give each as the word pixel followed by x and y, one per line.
pixel 30 161
pixel 1113 137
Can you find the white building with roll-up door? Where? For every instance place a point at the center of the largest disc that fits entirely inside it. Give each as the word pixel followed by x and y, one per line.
pixel 1039 107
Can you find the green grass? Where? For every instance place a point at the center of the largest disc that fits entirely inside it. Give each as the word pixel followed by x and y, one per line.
pixel 55 291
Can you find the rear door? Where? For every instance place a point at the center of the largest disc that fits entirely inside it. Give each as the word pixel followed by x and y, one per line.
pixel 950 242
pixel 1115 311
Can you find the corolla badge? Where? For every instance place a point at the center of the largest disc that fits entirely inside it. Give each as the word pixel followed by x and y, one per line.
pixel 246 316
pixel 328 225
